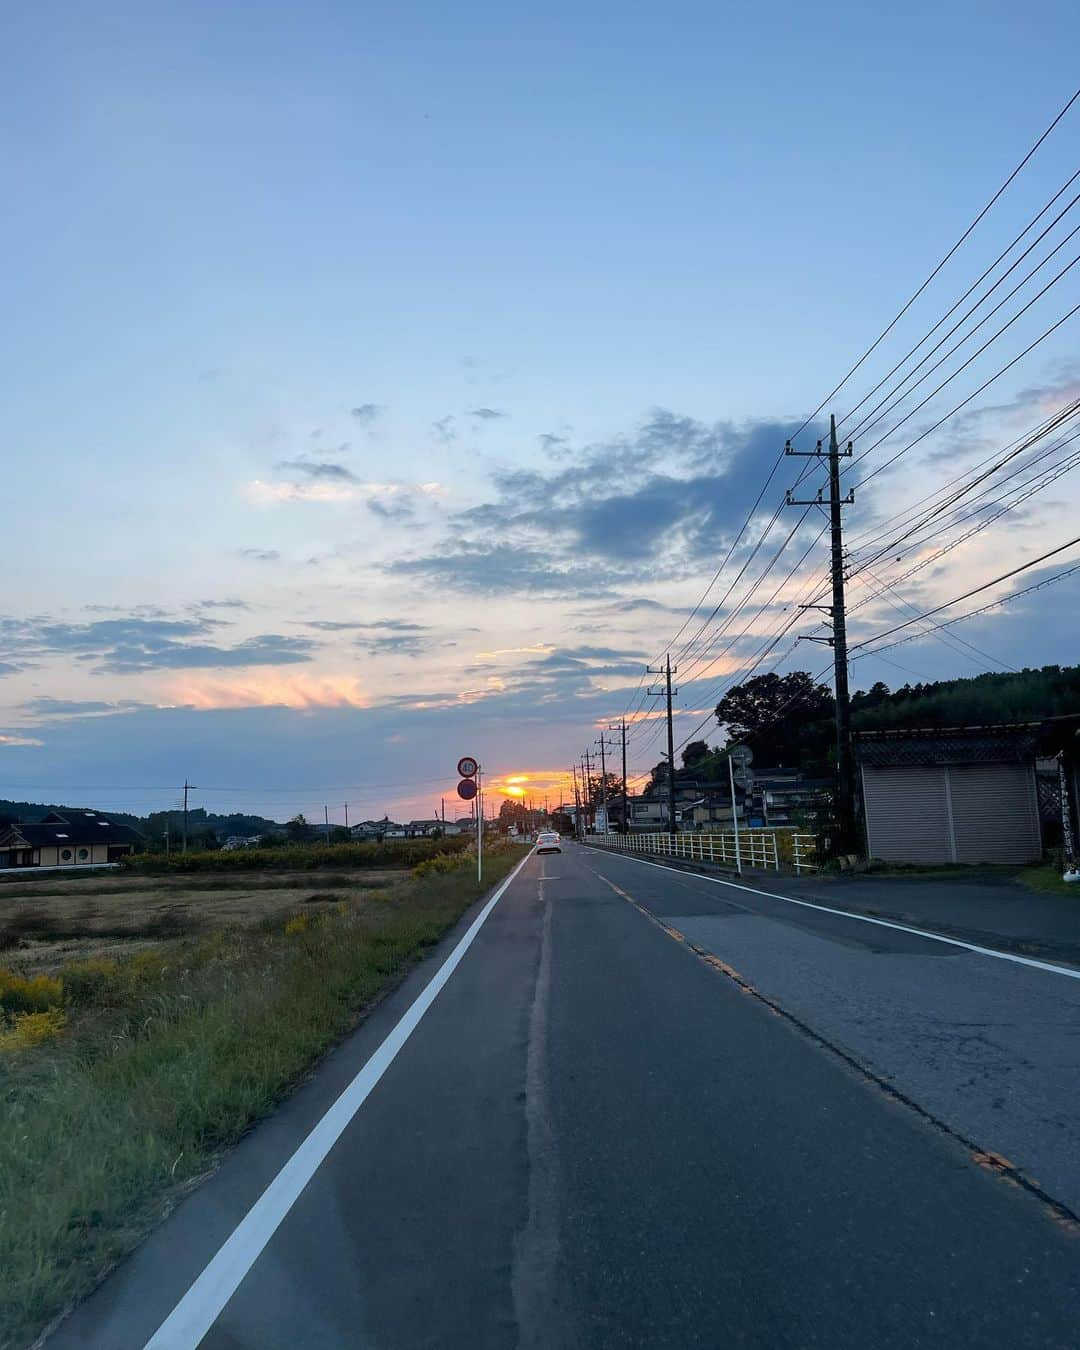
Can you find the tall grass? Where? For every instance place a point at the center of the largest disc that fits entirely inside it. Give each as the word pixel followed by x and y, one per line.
pixel 161 1060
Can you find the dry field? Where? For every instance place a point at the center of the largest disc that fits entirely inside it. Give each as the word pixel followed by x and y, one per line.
pixel 49 922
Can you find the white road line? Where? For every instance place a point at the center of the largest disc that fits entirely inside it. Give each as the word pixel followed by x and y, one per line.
pixel 199 1309
pixel 865 918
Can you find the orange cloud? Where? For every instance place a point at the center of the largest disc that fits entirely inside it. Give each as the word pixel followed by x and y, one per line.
pixel 271 690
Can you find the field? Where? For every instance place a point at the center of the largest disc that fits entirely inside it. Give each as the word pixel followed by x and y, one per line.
pixel 46 924
pixel 146 1022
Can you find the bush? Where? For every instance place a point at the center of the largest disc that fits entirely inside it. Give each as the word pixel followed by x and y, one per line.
pixel 442 862
pixel 28 994
pixel 298 857
pixel 28 1030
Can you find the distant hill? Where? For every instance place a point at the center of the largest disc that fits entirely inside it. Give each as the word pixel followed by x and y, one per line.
pixel 200 821
pixel 11 811
pixel 1019 696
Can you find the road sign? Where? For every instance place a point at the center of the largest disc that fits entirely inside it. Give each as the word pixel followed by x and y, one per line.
pixel 467 767
pixel 744 778
pixel 466 789
pixel 741 756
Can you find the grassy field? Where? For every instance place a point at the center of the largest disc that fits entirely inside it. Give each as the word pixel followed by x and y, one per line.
pixel 130 1058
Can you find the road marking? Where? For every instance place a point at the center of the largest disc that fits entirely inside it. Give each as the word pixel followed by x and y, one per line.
pixel 1000 1166
pixel 1048 966
pixel 199 1309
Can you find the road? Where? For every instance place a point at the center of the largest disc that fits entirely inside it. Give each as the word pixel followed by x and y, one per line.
pixel 647 1109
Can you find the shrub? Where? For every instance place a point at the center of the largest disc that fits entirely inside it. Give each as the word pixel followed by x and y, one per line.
pixel 299 924
pixel 442 862
pixel 28 994
pixel 30 1029
pixel 90 982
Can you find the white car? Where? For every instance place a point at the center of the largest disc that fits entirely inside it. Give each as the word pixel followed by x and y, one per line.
pixel 547 841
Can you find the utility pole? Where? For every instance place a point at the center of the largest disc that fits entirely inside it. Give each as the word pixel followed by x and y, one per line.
pixel 625 808
pixel 326 819
pixel 590 808
pixel 188 787
pixel 667 672
pixel 346 805
pixel 845 795
pixel 602 743
pixel 577 803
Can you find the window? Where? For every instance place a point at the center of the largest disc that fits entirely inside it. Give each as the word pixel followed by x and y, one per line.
pixel 84 854
pixel 65 854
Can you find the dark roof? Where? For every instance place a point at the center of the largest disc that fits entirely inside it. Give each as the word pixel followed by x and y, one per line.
pixel 78 827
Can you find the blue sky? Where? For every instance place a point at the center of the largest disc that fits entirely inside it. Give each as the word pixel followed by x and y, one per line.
pixel 384 382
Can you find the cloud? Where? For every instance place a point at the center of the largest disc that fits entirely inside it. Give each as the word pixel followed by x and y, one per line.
pixel 332 487
pixel 656 504
pixel 500 569
pixel 396 509
pixel 271 691
pixel 7 668
pixel 231 603
pixel 443 429
pixel 486 414
pixel 14 739
pixel 319 471
pixel 549 441
pixel 342 625
pixel 367 413
pixel 74 707
pixel 260 554
pixel 397 644
pixel 126 646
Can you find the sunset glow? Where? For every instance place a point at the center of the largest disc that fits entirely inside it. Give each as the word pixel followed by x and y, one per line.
pixel 270 690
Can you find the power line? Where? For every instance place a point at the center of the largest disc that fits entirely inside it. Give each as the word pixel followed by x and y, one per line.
pixel 904 309
pixel 974 591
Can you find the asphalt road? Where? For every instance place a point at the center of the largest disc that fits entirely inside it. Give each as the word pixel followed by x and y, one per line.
pixel 597 1136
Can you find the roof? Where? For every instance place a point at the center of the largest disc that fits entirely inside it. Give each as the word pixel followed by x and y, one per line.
pixel 77 827
pixel 993 743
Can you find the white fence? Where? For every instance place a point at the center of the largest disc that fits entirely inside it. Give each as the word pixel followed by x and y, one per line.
pixel 754 848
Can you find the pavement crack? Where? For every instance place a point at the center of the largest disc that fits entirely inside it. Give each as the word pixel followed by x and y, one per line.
pixel 536 1246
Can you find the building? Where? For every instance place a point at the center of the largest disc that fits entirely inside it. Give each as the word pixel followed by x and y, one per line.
pixel 235 841
pixel 951 794
pixel 785 799
pixel 424 828
pixel 77 839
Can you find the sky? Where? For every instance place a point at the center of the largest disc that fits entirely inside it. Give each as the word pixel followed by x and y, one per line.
pixel 386 384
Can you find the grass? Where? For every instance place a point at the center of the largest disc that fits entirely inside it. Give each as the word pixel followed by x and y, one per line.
pixel 137 1073
pixel 1047 878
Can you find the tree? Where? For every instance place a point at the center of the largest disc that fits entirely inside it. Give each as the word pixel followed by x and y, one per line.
pixel 694 754
pixel 658 778
pixel 785 719
pixel 298 830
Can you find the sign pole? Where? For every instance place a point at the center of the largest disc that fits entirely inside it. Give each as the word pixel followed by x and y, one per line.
pixel 479 825
pixel 734 815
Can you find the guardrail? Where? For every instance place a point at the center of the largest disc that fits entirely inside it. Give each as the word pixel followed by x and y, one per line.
pixel 767 849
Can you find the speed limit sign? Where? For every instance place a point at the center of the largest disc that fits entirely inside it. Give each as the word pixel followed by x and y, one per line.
pixel 467 766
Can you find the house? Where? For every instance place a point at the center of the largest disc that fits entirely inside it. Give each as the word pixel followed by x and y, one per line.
pixel 951 794
pixel 785 798
pixel 76 839
pixel 424 828
pixel 235 841
pixel 369 829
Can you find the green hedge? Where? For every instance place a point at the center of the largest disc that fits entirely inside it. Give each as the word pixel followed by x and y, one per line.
pixel 299 857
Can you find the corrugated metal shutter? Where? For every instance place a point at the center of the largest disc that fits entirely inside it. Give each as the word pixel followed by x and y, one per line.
pixel 907 814
pixel 995 813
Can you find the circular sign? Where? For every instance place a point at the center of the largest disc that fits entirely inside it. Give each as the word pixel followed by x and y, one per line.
pixel 467 767
pixel 466 789
pixel 741 756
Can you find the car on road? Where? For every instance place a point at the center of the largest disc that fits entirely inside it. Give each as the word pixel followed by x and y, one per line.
pixel 547 841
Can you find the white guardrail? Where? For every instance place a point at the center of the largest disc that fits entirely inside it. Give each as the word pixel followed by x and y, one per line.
pixel 768 849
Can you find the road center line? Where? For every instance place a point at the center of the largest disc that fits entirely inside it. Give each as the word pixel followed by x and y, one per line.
pixel 1048 966
pixel 199 1309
